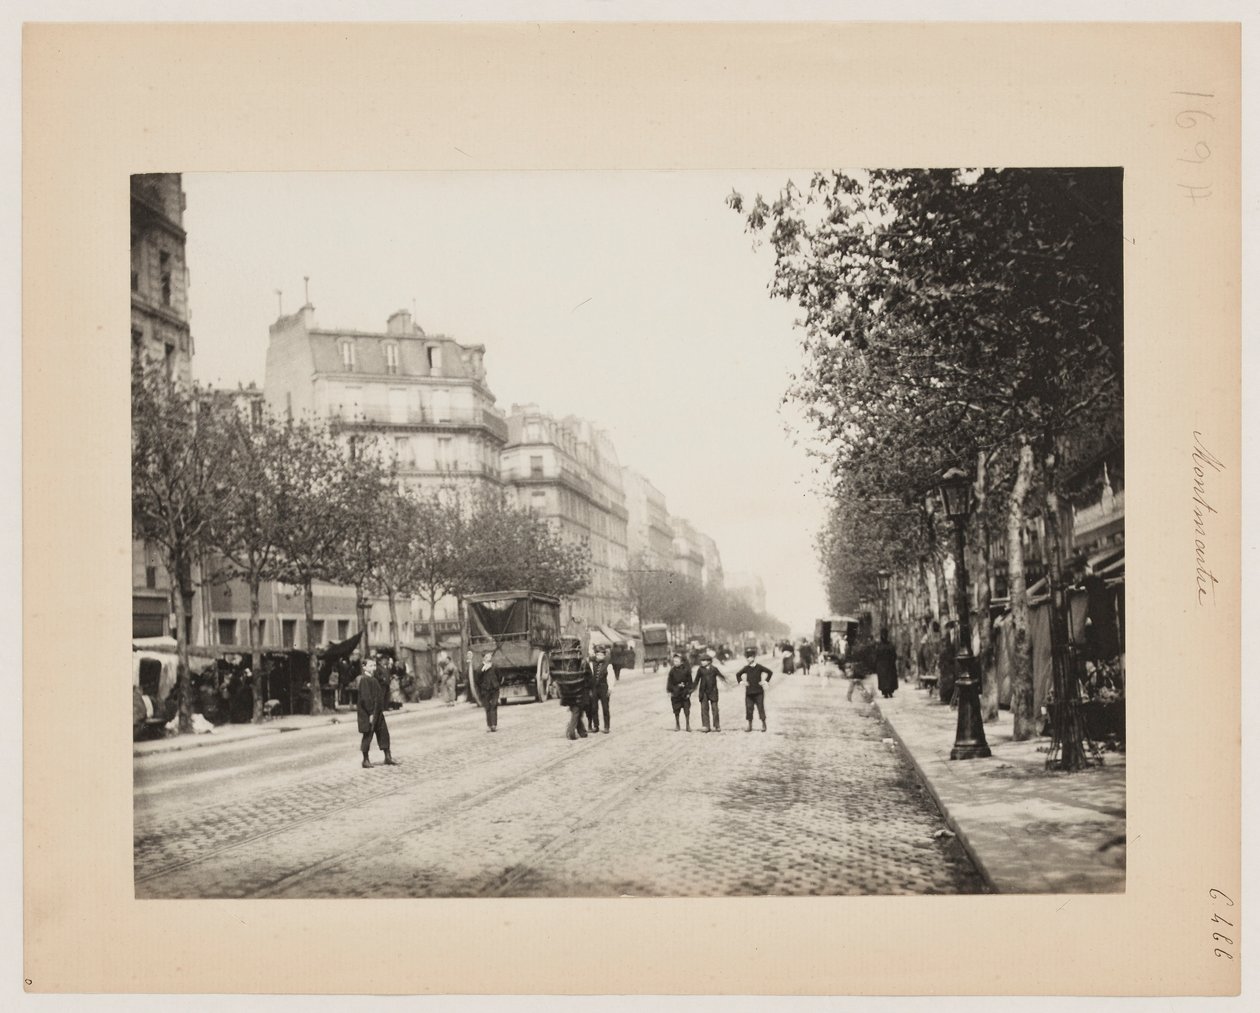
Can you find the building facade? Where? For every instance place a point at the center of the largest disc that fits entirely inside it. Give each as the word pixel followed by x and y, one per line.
pixel 424 397
pixel 712 574
pixel 567 471
pixel 688 554
pixel 649 531
pixel 161 332
pixel 423 401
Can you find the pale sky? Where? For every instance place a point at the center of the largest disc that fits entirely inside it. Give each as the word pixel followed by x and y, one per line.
pixel 634 299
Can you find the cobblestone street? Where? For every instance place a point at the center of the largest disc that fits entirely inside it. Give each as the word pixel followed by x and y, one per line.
pixel 820 804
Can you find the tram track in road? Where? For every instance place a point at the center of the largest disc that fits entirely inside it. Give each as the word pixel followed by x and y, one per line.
pixel 455 808
pixel 449 809
pixel 502 884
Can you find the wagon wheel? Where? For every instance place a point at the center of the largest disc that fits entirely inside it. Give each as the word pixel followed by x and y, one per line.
pixel 473 695
pixel 542 677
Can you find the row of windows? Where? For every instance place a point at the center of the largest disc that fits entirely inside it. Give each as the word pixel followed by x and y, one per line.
pixel 235 632
pixel 349 357
pixel 166 264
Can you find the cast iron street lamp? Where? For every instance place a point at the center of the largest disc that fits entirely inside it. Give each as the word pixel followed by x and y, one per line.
pixel 882 578
pixel 969 740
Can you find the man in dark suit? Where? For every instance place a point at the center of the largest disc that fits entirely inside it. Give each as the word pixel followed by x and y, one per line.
pixel 371 711
pixel 754 691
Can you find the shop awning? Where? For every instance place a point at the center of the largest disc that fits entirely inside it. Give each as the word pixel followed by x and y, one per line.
pixel 343 649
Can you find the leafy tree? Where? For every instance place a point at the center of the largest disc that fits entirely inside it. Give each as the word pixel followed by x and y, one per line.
pixel 179 478
pixel 362 504
pixel 954 314
pixel 247 531
pixel 318 502
pixel 437 548
pixel 509 547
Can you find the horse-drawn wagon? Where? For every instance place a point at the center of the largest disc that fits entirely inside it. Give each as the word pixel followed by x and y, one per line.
pixel 519 629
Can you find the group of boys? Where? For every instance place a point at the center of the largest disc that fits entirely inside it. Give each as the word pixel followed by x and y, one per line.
pixel 588 698
pixel 680 684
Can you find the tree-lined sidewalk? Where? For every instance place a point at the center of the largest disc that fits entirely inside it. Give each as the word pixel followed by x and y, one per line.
pixel 951 317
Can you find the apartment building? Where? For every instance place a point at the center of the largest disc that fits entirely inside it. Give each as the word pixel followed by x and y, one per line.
pixel 567 470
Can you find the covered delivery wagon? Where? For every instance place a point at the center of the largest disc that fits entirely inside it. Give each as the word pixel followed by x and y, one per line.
pixel 519 629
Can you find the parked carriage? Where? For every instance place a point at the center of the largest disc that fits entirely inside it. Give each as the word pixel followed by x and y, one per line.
pixel 520 629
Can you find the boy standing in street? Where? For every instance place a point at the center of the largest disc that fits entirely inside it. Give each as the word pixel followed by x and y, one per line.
pixel 602 690
pixel 679 685
pixel 371 712
pixel 488 687
pixel 754 691
pixel 707 677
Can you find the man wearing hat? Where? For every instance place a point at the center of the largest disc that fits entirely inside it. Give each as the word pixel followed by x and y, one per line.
pixel 754 691
pixel 707 676
pixel 488 688
pixel 602 691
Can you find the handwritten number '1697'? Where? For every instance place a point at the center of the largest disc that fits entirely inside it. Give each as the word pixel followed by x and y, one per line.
pixel 1201 152
pixel 1217 937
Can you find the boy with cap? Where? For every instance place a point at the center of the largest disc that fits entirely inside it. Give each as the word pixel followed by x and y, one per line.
pixel 679 685
pixel 601 691
pixel 754 691
pixel 371 713
pixel 488 687
pixel 707 677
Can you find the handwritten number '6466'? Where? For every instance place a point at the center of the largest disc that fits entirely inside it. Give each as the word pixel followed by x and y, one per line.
pixel 1201 152
pixel 1217 919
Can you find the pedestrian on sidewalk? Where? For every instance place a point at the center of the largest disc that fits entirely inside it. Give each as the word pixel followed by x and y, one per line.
pixel 930 658
pixel 886 665
pixel 707 676
pixel 488 689
pixel 601 691
pixel 372 693
pixel 806 653
pixel 948 664
pixel 787 653
pixel 754 691
pixel 446 678
pixel 680 685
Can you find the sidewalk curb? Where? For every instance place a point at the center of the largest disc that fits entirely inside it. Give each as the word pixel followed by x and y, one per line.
pixel 950 820
pixel 179 745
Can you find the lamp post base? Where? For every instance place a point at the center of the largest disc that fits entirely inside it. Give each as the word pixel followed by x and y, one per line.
pixel 969 740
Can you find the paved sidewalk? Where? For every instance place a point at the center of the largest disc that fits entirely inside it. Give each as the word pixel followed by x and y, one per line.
pixel 1028 830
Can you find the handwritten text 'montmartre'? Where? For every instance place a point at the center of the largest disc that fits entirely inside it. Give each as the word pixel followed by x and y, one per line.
pixel 1204 462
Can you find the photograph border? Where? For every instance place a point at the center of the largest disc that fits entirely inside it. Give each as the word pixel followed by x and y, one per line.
pixel 103 101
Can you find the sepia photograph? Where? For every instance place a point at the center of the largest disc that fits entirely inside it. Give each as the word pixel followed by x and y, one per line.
pixel 628 534
pixel 578 489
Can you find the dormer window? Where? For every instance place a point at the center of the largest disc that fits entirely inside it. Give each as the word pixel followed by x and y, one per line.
pixel 435 359
pixel 391 357
pixel 347 356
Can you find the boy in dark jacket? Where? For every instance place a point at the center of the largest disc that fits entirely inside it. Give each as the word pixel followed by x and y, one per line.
pixel 754 691
pixel 488 684
pixel 371 713
pixel 707 676
pixel 679 685
pixel 601 691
